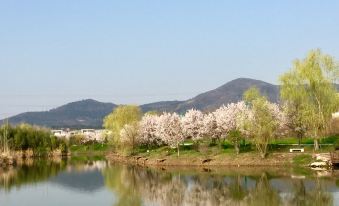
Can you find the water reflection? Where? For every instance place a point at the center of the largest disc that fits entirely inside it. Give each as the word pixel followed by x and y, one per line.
pixel 136 186
pixel 29 172
pixel 131 185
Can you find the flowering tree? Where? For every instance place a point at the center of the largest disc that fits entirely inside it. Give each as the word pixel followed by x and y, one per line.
pixel 169 129
pixel 148 130
pixel 280 117
pixel 210 127
pixel 229 119
pixel 192 124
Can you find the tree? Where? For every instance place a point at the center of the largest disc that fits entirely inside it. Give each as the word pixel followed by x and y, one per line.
pixel 192 124
pixel 309 94
pixel 229 119
pixel 129 134
pixel 210 127
pixel 5 138
pixel 169 129
pixel 148 130
pixel 262 124
pixel 122 115
pixel 235 137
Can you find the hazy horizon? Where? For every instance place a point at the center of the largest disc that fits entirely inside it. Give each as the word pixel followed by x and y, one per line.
pixel 128 52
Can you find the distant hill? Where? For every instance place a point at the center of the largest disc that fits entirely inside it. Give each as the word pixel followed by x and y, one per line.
pixel 83 181
pixel 228 93
pixel 81 114
pixel 89 113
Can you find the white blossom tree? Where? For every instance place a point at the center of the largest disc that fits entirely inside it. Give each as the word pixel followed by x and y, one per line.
pixel 169 129
pixel 210 128
pixel 192 124
pixel 280 117
pixel 229 120
pixel 148 130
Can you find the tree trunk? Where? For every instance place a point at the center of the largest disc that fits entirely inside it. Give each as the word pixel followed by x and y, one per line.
pixel 178 149
pixel 237 149
pixel 299 139
pixel 263 155
pixel 316 144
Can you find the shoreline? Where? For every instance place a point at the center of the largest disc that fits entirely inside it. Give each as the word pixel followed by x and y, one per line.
pixel 18 157
pixel 246 159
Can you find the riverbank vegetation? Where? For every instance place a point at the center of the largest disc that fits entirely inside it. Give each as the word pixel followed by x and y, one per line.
pixel 30 140
pixel 308 99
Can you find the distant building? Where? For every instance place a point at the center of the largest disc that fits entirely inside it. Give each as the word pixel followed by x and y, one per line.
pixel 335 115
pixel 59 133
pixel 88 134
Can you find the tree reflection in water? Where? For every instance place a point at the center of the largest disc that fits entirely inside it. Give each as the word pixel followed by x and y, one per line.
pixel 133 185
pixel 30 171
pixel 139 186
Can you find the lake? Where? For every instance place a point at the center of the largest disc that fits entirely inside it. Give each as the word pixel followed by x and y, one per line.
pixel 93 181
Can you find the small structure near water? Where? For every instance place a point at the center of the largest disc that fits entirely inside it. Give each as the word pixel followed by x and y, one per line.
pixel 335 158
pixel 325 160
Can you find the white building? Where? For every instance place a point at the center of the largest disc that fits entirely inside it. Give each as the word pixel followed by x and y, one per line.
pixel 88 134
pixel 335 115
pixel 59 133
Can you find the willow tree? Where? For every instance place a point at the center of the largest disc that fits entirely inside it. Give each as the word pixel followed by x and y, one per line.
pixel 121 116
pixel 309 94
pixel 262 123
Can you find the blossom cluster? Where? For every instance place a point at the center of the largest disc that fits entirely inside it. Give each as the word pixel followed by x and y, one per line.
pixel 172 129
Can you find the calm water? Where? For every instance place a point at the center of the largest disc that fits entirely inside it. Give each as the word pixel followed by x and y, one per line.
pixel 94 182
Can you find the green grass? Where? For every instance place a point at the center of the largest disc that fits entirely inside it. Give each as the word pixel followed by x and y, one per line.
pixel 206 149
pixel 305 140
pixel 302 159
pixel 89 148
pixel 226 147
pixel 292 140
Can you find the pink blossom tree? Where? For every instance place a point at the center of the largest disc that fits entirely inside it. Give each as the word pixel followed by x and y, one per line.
pixel 192 124
pixel 169 129
pixel 210 128
pixel 148 130
pixel 229 119
pixel 280 117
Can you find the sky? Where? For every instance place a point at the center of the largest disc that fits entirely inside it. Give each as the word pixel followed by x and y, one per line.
pixel 134 52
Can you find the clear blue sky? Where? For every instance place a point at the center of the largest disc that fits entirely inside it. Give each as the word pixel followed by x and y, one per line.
pixel 54 52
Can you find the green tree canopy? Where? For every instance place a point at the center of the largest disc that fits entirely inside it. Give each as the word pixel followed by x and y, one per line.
pixel 261 125
pixel 121 116
pixel 309 94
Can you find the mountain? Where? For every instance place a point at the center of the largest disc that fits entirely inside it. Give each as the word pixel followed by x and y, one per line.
pixel 81 114
pixel 164 106
pixel 82 181
pixel 89 113
pixel 228 93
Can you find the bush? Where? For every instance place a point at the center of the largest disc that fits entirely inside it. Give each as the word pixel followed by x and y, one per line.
pixel 40 140
pixel 330 140
pixel 76 139
pixel 302 159
pixel 336 144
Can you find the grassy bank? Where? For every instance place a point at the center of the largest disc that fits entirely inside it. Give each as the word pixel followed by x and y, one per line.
pixel 222 159
pixel 90 149
pixel 224 153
